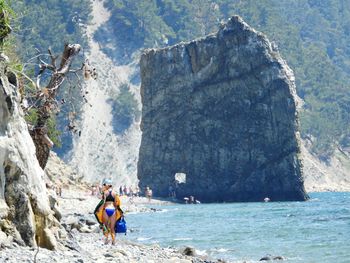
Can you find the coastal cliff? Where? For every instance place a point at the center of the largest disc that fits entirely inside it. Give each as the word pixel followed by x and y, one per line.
pixel 25 214
pixel 221 110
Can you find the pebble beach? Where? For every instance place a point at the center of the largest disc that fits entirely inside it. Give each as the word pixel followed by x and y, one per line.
pixel 81 239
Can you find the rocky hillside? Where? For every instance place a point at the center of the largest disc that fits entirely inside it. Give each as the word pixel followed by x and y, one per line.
pixel 25 213
pixel 322 177
pixel 105 148
pixel 222 110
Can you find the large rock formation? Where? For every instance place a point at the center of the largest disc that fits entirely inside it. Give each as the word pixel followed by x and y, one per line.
pixel 25 214
pixel 222 110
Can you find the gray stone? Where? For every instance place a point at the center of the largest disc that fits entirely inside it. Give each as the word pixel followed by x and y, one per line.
pixel 57 213
pixel 90 222
pixel 3 237
pixel 223 111
pixel 71 220
pixel 189 251
pixel 85 229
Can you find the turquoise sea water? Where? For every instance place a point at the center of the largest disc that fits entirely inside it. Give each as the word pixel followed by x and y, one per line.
pixel 313 231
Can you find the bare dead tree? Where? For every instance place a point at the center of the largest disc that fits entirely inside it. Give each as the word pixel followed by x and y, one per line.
pixel 45 98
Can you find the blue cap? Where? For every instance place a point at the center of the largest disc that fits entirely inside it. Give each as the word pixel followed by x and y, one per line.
pixel 107 181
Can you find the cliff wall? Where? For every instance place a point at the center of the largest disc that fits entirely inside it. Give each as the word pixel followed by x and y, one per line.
pixel 25 214
pixel 222 110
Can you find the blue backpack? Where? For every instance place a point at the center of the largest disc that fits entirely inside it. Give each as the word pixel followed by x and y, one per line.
pixel 120 226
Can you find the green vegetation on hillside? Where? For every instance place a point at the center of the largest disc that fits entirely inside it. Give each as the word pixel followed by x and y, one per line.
pixel 49 23
pixel 125 109
pixel 38 25
pixel 312 35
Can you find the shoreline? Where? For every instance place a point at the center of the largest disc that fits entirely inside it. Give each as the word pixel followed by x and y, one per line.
pixel 80 239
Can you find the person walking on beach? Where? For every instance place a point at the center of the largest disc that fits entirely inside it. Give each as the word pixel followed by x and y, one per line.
pixel 112 211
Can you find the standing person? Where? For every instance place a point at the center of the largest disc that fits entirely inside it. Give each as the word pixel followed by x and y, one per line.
pixel 112 211
pixel 120 190
pixel 137 190
pixel 171 191
pixel 148 193
pixel 131 192
pixel 125 190
pixel 93 190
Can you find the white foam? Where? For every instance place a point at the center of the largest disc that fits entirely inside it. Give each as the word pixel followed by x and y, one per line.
pixel 201 252
pixel 183 238
pixel 222 250
pixel 144 238
pixel 162 211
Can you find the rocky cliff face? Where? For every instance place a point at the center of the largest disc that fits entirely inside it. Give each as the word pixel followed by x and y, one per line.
pixel 25 214
pixel 221 110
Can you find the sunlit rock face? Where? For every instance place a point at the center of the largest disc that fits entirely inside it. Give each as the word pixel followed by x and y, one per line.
pixel 222 110
pixel 25 214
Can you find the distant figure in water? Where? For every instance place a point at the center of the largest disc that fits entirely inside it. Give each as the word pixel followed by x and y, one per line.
pixel 148 193
pixel 266 199
pixel 186 200
pixel 191 200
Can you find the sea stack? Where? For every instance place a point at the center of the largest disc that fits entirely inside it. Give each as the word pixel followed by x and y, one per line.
pixel 221 111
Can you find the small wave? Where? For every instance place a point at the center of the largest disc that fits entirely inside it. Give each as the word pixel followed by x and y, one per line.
pixel 220 250
pixel 201 252
pixel 183 238
pixel 162 211
pixel 133 213
pixel 342 218
pixel 322 219
pixel 143 238
pixel 314 200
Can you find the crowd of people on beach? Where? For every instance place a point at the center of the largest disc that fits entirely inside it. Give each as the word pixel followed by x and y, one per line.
pixel 130 191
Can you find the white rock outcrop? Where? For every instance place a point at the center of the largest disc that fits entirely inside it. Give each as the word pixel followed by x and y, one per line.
pixel 25 214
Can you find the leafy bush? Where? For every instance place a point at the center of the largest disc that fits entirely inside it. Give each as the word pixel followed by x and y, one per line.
pixel 5 13
pixel 53 133
pixel 125 109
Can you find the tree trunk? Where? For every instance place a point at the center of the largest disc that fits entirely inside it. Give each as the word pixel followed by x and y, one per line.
pixel 42 142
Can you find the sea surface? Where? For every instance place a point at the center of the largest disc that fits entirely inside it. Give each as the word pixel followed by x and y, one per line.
pixel 317 230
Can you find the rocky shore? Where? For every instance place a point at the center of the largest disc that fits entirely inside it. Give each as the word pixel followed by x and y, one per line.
pixel 81 240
